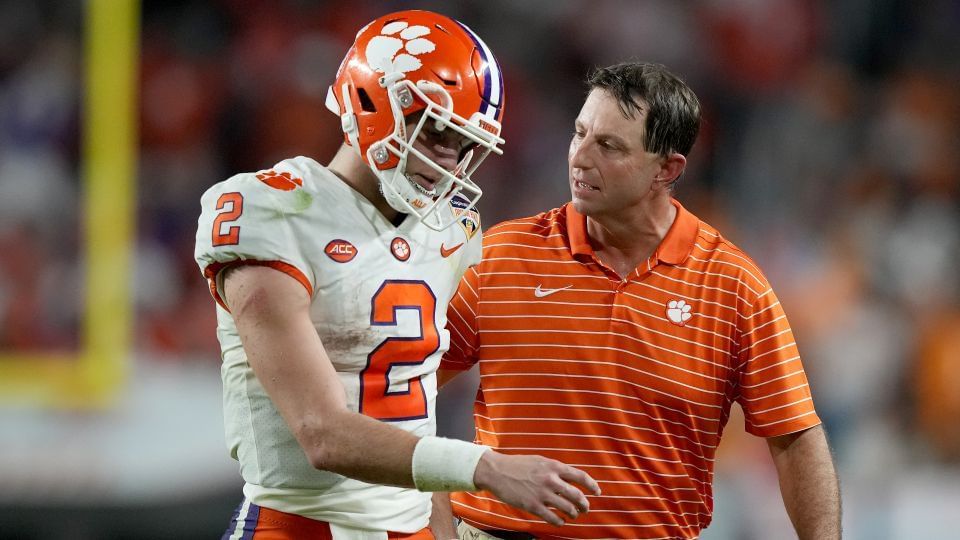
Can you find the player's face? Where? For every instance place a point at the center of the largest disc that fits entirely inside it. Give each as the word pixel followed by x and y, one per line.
pixel 443 147
pixel 610 172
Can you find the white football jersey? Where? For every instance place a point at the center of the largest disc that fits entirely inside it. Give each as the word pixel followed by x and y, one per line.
pixel 380 295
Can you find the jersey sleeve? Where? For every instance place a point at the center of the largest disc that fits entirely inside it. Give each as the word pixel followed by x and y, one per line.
pixel 244 220
pixel 774 393
pixel 462 324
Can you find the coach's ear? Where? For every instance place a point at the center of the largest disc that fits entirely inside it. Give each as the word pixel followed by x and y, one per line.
pixel 671 167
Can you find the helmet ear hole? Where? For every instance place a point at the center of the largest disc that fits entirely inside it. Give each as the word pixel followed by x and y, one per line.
pixel 445 80
pixel 365 102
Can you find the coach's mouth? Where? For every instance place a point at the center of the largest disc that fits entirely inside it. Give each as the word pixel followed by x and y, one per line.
pixel 585 186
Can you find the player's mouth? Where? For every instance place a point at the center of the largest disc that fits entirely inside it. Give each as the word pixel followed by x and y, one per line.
pixel 426 185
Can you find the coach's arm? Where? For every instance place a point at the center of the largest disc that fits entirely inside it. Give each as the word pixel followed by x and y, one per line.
pixel 808 483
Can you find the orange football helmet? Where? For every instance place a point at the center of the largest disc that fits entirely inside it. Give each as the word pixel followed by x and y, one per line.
pixel 412 61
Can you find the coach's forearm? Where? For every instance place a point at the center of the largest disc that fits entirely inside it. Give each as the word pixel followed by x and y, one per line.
pixel 808 483
pixel 441 518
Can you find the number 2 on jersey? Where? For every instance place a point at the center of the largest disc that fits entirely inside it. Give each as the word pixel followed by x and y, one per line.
pixel 376 398
pixel 232 236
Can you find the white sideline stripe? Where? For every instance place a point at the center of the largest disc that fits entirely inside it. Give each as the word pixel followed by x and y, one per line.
pixel 702 286
pixel 768 323
pixel 656 405
pixel 625 306
pixel 540 449
pixel 755 343
pixel 605 437
pixel 481 497
pixel 715 274
pixel 564 276
pixel 498 232
pixel 768 381
pixel 783 406
pixel 784 420
pixel 603 422
pixel 624 366
pixel 619 380
pixel 797 387
pixel 531 331
pixel 746 267
pixel 511 518
pixel 614 409
pixel 241 520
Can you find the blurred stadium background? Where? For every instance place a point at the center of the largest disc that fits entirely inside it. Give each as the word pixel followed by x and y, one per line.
pixel 830 152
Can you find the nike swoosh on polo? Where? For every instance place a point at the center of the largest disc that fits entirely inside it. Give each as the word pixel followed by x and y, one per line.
pixel 444 252
pixel 540 293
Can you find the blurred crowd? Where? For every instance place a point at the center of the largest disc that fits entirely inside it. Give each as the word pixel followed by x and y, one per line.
pixel 830 152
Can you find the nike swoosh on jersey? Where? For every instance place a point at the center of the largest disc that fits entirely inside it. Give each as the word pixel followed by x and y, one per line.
pixel 444 252
pixel 540 293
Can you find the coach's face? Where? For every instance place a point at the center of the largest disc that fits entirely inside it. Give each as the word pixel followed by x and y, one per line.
pixel 610 172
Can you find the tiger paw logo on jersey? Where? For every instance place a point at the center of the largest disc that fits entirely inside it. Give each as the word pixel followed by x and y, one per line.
pixel 382 51
pixel 678 311
pixel 340 251
pixel 283 181
pixel 400 249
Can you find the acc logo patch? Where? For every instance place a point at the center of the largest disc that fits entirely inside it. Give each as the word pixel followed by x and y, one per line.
pixel 283 181
pixel 340 251
pixel 469 220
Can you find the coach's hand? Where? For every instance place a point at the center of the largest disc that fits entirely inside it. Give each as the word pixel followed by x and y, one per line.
pixel 534 484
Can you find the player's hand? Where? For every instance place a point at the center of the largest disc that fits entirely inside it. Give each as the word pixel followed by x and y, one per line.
pixel 535 484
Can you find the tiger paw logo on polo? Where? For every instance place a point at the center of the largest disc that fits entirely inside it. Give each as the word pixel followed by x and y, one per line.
pixel 678 311
pixel 382 51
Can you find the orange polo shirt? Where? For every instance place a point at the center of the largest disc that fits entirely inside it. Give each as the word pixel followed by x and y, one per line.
pixel 629 379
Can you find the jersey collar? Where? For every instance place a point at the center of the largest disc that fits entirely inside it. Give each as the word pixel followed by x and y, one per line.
pixel 674 248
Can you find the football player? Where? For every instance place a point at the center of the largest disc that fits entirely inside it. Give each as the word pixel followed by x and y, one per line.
pixel 332 284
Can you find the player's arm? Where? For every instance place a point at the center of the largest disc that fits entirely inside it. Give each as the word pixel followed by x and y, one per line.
pixel 808 483
pixel 271 312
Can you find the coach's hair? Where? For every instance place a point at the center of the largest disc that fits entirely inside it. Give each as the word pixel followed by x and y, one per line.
pixel 673 118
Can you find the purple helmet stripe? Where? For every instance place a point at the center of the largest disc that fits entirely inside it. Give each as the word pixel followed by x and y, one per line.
pixel 493 81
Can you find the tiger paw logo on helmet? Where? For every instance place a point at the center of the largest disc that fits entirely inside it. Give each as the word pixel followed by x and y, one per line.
pixel 382 51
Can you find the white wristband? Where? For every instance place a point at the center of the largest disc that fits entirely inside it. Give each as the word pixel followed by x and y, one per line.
pixel 441 464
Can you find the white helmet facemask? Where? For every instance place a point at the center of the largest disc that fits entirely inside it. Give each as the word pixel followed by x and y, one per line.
pixel 404 194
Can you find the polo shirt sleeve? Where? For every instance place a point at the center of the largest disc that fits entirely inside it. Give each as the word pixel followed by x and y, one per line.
pixel 773 389
pixel 462 324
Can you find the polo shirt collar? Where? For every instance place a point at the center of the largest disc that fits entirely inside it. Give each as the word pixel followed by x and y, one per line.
pixel 678 243
pixel 673 249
